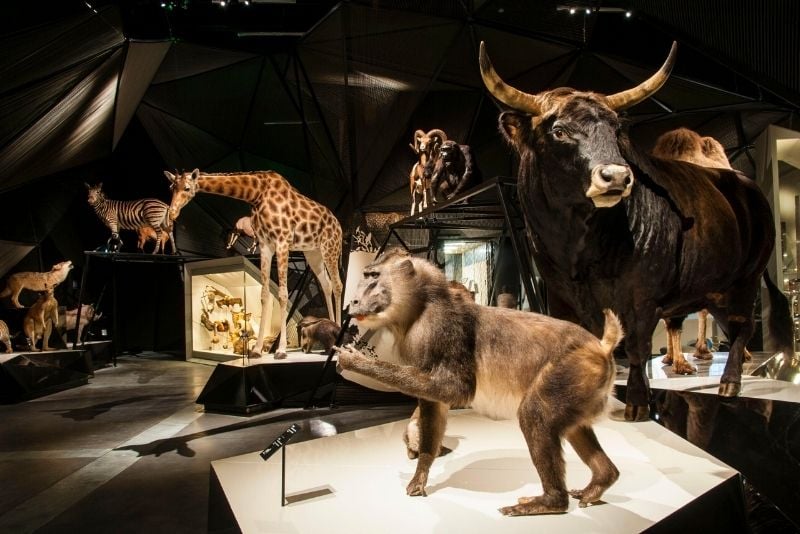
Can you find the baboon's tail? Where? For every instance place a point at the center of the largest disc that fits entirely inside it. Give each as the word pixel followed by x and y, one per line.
pixel 612 332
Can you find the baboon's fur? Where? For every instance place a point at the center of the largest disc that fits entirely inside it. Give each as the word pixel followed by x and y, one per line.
pixel 40 320
pixel 35 281
pixel 552 374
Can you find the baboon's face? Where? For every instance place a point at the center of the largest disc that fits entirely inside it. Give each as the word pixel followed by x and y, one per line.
pixel 376 290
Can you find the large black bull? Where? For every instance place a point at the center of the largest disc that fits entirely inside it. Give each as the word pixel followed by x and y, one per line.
pixel 649 238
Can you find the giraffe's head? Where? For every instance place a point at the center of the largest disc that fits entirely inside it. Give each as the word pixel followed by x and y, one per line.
pixel 184 187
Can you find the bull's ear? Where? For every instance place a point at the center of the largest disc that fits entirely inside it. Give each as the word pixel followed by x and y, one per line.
pixel 511 125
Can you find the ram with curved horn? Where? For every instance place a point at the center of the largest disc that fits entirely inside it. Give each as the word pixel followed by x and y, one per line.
pixel 426 146
pixel 614 227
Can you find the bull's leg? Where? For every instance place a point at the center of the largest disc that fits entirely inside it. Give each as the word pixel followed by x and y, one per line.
pixel 701 351
pixel 740 329
pixel 738 322
pixel 638 347
pixel 543 433
pixel 266 301
pixel 604 472
pixel 432 422
pixel 674 351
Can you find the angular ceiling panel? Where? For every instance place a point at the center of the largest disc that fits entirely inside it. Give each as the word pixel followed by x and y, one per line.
pixel 181 145
pixel 217 101
pixel 24 106
pixel 141 62
pixel 42 51
pixel 187 59
pixel 76 130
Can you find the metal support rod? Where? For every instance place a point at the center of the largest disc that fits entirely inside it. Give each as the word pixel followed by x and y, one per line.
pixel 339 338
pixel 84 275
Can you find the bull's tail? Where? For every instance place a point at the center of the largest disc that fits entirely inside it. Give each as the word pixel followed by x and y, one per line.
pixel 781 326
pixel 612 333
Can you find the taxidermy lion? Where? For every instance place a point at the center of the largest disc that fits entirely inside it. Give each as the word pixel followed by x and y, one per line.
pixel 553 375
pixel 35 281
pixel 5 336
pixel 40 320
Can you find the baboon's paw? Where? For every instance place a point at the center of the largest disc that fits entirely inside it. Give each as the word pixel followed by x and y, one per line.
pixel 588 496
pixel 416 489
pixel 536 506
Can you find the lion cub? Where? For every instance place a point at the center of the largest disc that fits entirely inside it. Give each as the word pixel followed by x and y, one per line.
pixel 35 281
pixel 41 319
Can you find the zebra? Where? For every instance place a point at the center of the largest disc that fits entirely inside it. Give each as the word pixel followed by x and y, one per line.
pixel 132 215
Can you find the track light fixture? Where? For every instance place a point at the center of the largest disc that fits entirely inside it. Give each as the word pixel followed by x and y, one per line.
pixel 589 9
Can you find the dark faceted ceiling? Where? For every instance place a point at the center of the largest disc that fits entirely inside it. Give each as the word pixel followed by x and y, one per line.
pixel 329 93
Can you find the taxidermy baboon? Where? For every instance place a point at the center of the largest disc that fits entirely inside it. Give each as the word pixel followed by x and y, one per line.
pixel 40 320
pixel 35 281
pixel 551 374
pixel 316 330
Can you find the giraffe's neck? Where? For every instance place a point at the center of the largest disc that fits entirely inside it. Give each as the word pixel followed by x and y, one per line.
pixel 249 187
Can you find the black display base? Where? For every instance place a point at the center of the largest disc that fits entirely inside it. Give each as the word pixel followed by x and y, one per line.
pixel 258 387
pixel 30 375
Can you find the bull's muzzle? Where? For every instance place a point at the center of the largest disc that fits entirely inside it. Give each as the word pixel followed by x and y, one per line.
pixel 610 183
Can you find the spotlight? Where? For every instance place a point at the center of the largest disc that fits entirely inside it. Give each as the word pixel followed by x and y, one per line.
pixel 628 14
pixel 572 11
pixel 588 11
pixel 246 2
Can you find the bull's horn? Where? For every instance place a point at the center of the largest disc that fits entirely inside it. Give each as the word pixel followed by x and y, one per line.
pixel 647 88
pixel 504 92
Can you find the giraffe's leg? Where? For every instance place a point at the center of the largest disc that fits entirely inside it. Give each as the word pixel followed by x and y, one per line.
pixel 317 265
pixel 332 265
pixel 282 252
pixel 266 301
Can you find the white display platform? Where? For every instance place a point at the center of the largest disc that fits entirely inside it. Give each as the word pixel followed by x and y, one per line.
pixel 706 380
pixel 355 482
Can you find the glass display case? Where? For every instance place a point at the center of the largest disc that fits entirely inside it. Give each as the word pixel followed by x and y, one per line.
pixel 223 309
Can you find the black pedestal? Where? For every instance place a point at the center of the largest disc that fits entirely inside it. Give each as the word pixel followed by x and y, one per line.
pixel 34 374
pixel 238 388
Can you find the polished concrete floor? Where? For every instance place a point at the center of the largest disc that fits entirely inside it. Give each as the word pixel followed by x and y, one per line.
pixel 130 451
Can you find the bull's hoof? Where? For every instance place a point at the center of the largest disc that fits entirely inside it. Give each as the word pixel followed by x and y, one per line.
pixel 280 355
pixel 637 413
pixel 729 389
pixel 683 368
pixel 703 354
pixel 254 354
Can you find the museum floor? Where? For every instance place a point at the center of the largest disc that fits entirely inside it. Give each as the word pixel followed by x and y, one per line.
pixel 131 451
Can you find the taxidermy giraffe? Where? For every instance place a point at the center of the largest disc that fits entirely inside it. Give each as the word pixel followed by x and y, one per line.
pixel 283 221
